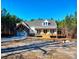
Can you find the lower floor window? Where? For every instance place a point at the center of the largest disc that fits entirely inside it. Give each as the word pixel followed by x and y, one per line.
pixel 45 31
pixel 38 31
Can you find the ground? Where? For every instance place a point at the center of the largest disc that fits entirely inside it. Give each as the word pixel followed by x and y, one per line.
pixel 53 51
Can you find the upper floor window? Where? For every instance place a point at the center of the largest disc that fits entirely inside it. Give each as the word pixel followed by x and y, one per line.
pixel 45 23
pixel 49 23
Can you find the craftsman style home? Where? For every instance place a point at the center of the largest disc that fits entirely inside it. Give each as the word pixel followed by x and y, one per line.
pixel 43 28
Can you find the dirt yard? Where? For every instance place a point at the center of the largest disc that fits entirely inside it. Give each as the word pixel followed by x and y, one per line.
pixel 52 52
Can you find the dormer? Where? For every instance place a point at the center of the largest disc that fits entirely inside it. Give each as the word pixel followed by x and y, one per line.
pixel 46 23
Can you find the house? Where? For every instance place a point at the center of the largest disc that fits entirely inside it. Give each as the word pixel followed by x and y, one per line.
pixel 43 28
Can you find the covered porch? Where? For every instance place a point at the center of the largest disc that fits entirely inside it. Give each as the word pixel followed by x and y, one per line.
pixel 46 32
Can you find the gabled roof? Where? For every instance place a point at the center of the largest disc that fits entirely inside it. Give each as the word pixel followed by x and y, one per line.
pixel 39 24
pixel 22 23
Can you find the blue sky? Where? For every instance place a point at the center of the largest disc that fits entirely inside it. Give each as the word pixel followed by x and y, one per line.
pixel 32 9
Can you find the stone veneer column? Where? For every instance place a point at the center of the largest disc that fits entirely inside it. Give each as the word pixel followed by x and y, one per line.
pixel 41 31
pixel 48 31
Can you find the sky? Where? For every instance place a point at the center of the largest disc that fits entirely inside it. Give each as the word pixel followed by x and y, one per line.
pixel 33 9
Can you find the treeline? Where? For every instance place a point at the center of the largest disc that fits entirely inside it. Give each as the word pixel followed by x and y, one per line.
pixel 69 24
pixel 8 23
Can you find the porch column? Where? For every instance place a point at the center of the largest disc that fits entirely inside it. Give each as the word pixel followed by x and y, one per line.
pixel 56 33
pixel 41 31
pixel 48 31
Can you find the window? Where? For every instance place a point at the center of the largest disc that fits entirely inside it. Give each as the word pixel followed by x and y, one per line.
pixel 45 23
pixel 49 23
pixel 38 31
pixel 45 30
pixel 51 30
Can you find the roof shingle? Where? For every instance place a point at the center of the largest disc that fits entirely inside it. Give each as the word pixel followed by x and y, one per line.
pixel 38 24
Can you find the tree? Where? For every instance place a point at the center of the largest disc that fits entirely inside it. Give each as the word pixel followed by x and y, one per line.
pixel 69 24
pixel 32 19
pixel 18 20
pixel 8 22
